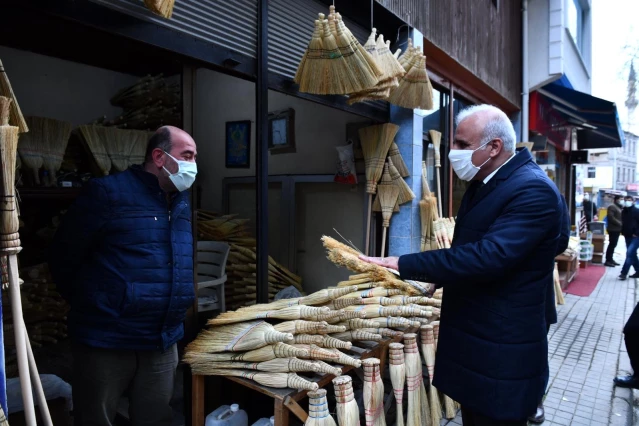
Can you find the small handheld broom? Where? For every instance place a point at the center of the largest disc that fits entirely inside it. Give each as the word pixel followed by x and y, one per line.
pixel 15 114
pixel 163 8
pixel 346 407
pixel 237 337
pixel 318 413
pixel 428 350
pixel 397 369
pixel 373 393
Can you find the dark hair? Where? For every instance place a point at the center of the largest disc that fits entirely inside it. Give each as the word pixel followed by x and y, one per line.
pixel 160 139
pixel 617 198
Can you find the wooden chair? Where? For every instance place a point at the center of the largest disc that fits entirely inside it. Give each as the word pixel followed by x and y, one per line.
pixel 211 260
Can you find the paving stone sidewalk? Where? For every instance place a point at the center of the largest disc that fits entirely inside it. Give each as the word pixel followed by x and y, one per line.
pixel 585 353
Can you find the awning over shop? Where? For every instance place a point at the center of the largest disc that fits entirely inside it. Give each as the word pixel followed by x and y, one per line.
pixel 597 118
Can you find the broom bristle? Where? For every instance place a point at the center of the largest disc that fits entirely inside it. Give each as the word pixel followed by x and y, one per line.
pixel 9 222
pixel 318 413
pixel 384 301
pixel 405 193
pixel 373 393
pixel 16 118
pixel 358 335
pixel 387 62
pixel 428 351
pixel 388 195
pixel 376 141
pixel 342 303
pixel 267 353
pixel 335 72
pixel 163 8
pixel 325 368
pixel 56 140
pixel 355 323
pixel 384 332
pixel 294 312
pixel 397 368
pixel 309 339
pixel 363 76
pixel 375 292
pixel 315 352
pixel 273 380
pixel 310 69
pixel 238 337
pixel 344 359
pixel 346 407
pixel 302 327
pixel 414 90
pixel 336 343
pixel 398 160
pixel 386 180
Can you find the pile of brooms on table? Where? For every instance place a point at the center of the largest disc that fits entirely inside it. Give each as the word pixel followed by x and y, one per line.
pixel 335 63
pixel 313 335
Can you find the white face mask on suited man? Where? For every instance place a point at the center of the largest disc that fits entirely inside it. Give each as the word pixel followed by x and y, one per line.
pixel 461 161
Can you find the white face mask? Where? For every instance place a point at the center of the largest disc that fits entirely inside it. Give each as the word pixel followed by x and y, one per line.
pixel 620 203
pixel 462 162
pixel 185 175
pixel 628 203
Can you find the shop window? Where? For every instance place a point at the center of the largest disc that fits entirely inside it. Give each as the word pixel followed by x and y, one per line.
pixel 574 22
pixel 592 172
pixel 459 186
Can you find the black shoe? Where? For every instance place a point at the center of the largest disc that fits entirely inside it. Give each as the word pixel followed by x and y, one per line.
pixel 616 264
pixel 635 275
pixel 623 277
pixel 627 382
pixel 539 416
pixel 610 263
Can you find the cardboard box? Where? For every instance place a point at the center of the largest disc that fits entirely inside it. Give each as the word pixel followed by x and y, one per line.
pixel 597 257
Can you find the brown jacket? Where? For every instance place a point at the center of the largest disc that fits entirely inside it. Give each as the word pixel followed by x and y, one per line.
pixel 614 218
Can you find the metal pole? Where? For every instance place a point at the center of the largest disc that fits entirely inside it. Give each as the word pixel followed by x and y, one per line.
pixel 524 73
pixel 261 149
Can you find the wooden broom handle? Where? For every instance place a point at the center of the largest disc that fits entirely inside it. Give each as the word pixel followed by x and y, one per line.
pixel 368 223
pixel 384 240
pixel 439 192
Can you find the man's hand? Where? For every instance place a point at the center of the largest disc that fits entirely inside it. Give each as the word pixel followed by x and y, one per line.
pixel 386 262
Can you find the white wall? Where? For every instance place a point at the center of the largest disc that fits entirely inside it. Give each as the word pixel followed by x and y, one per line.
pixel 64 90
pixel 220 98
pixel 538 29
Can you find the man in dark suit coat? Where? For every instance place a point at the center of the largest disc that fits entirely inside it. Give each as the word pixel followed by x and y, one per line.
pixel 492 350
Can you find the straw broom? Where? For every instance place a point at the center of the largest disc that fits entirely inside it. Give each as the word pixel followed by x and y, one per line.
pixel 346 407
pixel 332 342
pixel 428 350
pixel 405 193
pixel 93 136
pixel 374 292
pixel 397 369
pixel 417 399
pixel 376 311
pixel 373 393
pixel 344 359
pixel 354 324
pixel 384 332
pixel 273 380
pixel 332 328
pixel 318 414
pixel 394 322
pixel 436 138
pixel 278 365
pixel 266 353
pixel 388 181
pixel 315 352
pixel 308 339
pixel 414 90
pixel 337 78
pixel 388 195
pixel 342 303
pixel 559 294
pixel 358 335
pixel 407 52
pixel 387 61
pixel 163 8
pixel 309 73
pixel 376 141
pixel 449 404
pixel 361 49
pixel 301 327
pixel 56 138
pixel 384 301
pixel 325 368
pixel 9 225
pixel 31 145
pixel 237 337
pixel 15 114
pixel 292 313
pixel 330 317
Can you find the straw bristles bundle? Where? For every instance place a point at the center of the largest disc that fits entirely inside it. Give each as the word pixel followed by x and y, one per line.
pixel 272 380
pixel 388 182
pixel 375 292
pixel 308 339
pixel 397 160
pixel 272 306
pixel 405 193
pixel 376 141
pixel 9 222
pixel 342 303
pixel 266 353
pixel 362 75
pixel 397 370
pixel 344 359
pixel 335 71
pixel 414 90
pixel 384 301
pixel 318 414
pixel 315 352
pixel 420 300
pixel 384 332
pixel 56 138
pixel 418 414
pixel 94 137
pixel 15 114
pixel 435 325
pixel 332 328
pixel 388 195
pixel 373 393
pixel 407 52
pixel 358 335
pixel 331 243
pixel 5 110
pixel 292 313
pixel 163 8
pixel 428 350
pixel 326 295
pixel 31 146
pixel 309 73
pixel 394 322
pixel 325 368
pixel 237 337
pixel 354 324
pixel 335 343
pixel 387 61
pixel 302 327
pixel 330 317
pixel 278 365
pixel 346 407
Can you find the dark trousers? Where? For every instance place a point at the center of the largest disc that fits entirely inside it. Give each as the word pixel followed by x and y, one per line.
pixel 631 255
pixel 631 338
pixel 612 245
pixel 470 418
pixel 102 376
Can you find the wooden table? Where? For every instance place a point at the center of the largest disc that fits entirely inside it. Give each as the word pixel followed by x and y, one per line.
pixel 286 400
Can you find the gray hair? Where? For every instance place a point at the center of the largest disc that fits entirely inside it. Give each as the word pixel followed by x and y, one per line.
pixel 498 126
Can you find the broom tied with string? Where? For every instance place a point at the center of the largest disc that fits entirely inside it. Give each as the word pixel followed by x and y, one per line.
pixel 266 353
pixel 428 351
pixel 356 323
pixel 56 138
pixel 238 337
pixel 318 413
pixel 315 352
pixel 163 8
pixel 384 301
pixel 301 327
pixel 374 292
pixel 397 160
pixel 344 359
pixel 292 313
pixel 15 114
pixel 346 407
pixel 273 380
pixel 373 393
pixel 385 181
pixel 397 369
pixel 414 90
pixel 449 404
pixel 9 222
pixel 308 339
pixel 436 139
pixel 342 303
pixel 309 73
pixel 418 414
pixel 278 365
pixel 325 368
pixel 358 335
pixel 384 332
pixel 334 342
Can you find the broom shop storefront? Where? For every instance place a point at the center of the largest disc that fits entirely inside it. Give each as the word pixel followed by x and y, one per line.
pixel 276 173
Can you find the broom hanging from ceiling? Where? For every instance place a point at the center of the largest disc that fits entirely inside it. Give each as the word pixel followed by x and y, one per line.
pixel 56 138
pixel 31 145
pixel 163 8
pixel 376 141
pixel 414 90
pixel 15 114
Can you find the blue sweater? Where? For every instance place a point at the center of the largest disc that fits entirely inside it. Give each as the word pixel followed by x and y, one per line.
pixel 123 259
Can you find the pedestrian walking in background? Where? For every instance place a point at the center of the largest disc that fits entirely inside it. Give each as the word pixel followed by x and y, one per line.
pixel 614 229
pixel 590 209
pixel 630 230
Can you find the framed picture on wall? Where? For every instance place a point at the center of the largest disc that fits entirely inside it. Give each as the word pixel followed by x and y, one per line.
pixel 238 144
pixel 281 132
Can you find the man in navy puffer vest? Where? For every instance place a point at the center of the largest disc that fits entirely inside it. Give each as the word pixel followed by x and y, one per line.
pixel 123 259
pixel 492 349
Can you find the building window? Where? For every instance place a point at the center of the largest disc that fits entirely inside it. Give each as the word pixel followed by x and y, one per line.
pixel 592 172
pixel 575 20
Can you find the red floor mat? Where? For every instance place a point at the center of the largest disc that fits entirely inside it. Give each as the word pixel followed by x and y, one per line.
pixel 586 281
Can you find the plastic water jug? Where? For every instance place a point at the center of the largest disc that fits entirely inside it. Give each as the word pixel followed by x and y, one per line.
pixel 265 422
pixel 227 416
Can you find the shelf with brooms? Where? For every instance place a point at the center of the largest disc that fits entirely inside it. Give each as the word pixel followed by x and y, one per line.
pixel 335 63
pixel 296 343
